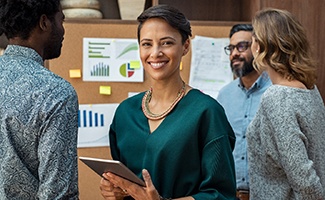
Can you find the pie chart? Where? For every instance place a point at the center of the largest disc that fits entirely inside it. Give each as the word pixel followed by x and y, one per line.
pixel 126 71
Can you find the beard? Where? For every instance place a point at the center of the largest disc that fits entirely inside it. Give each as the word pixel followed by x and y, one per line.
pixel 245 69
pixel 54 45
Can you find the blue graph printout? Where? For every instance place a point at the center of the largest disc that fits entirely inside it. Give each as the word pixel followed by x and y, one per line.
pixel 93 122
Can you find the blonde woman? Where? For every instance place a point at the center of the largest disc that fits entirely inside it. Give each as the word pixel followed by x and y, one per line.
pixel 286 139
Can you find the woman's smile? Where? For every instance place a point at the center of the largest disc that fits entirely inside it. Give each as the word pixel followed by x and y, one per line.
pixel 158 65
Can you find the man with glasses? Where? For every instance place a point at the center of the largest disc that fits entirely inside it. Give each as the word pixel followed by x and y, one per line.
pixel 241 98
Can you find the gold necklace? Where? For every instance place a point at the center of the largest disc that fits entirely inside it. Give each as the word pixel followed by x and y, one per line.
pixel 147 97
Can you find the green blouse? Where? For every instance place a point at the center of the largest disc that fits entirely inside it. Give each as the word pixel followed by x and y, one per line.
pixel 189 154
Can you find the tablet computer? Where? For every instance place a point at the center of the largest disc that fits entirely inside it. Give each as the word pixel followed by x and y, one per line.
pixel 103 165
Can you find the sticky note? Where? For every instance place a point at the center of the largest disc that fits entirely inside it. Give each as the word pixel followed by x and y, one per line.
pixel 181 66
pixel 75 73
pixel 135 64
pixel 105 90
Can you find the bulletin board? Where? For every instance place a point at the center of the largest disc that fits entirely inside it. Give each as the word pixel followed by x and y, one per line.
pixel 88 92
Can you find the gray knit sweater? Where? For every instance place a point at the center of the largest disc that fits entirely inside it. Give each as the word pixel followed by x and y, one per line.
pixel 286 146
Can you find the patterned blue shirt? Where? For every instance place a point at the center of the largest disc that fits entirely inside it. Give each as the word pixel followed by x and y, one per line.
pixel 240 106
pixel 38 121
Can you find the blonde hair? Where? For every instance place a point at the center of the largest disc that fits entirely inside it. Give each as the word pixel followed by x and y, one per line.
pixel 283 46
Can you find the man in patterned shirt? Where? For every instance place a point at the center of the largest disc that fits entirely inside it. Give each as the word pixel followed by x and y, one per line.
pixel 38 109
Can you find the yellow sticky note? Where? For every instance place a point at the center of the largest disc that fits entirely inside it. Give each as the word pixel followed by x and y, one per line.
pixel 75 73
pixel 181 66
pixel 135 64
pixel 105 90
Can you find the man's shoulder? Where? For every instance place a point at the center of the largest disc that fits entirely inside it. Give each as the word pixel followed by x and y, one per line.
pixel 53 86
pixel 233 85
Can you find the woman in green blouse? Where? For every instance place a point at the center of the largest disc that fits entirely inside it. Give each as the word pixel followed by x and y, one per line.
pixel 178 135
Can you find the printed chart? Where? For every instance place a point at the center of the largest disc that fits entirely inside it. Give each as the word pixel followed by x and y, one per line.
pixel 93 122
pixel 210 66
pixel 111 60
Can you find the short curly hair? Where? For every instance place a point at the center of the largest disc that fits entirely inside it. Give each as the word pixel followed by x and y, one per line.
pixel 19 17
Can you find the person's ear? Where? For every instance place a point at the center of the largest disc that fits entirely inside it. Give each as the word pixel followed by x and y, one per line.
pixel 257 48
pixel 186 47
pixel 44 23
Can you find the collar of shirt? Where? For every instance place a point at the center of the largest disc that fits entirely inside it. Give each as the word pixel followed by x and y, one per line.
pixel 16 50
pixel 260 82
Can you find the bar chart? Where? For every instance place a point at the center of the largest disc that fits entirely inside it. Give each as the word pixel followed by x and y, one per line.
pixel 90 119
pixel 93 124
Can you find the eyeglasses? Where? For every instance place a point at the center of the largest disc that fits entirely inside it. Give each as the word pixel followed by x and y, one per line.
pixel 240 46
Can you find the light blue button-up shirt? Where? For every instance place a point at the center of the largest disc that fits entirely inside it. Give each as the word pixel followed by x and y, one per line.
pixel 240 106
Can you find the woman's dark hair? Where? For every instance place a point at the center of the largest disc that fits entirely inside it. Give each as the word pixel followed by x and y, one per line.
pixel 19 17
pixel 171 15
